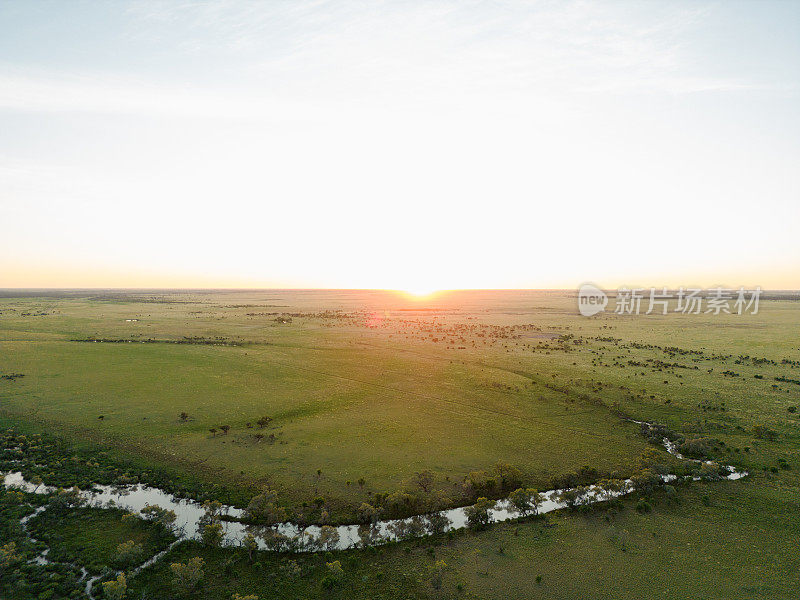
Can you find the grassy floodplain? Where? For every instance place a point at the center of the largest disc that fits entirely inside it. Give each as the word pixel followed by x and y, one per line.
pixel 367 389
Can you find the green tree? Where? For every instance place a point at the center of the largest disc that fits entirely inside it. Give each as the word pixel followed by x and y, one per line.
pixel 334 576
pixel 328 537
pixel 209 524
pixel 291 569
pixel 510 477
pixel 526 500
pixel 8 555
pixel 367 513
pixel 264 508
pixel 610 488
pixel 573 496
pixel 116 588
pixel 437 522
pixel 211 534
pixel 425 480
pixel 478 513
pixel 250 544
pixel 129 552
pixel 369 535
pixel 186 577
pixel 645 481
pixel 67 499
pixel 164 517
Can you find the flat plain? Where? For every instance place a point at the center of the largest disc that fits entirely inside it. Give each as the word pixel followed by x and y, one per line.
pixel 334 399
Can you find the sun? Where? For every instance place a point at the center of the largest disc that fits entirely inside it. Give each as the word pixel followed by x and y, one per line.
pixel 420 291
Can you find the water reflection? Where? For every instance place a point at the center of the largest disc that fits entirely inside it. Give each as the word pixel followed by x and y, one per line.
pixel 290 537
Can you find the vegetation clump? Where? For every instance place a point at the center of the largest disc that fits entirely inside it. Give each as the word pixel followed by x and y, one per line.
pixel 187 577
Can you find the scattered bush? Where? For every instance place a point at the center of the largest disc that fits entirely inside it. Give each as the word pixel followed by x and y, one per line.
pixel 129 553
pixel 478 513
pixel 526 500
pixel 264 508
pixel 699 447
pixel 115 589
pixel 186 577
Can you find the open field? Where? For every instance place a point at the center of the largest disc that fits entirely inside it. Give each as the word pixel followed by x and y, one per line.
pixel 680 550
pixel 365 390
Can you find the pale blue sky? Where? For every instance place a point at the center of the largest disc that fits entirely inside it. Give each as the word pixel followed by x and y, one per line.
pixel 399 144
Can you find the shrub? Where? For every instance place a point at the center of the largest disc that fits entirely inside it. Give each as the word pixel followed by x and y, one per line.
pixel 211 534
pixel 478 513
pixel 8 555
pixel 367 513
pixel 335 574
pixel 710 471
pixel 438 570
pixel 764 433
pixel 328 538
pixel 654 460
pixel 250 544
pixel 437 522
pixel 699 447
pixel 264 508
pixel 129 552
pixel 162 516
pixel 573 496
pixel 526 500
pixel 186 577
pixel 645 481
pixel 425 480
pixel 509 477
pixel 115 589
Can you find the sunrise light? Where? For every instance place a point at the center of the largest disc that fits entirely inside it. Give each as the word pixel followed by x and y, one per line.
pixel 420 292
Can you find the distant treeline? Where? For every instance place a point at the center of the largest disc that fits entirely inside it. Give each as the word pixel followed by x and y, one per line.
pixel 186 340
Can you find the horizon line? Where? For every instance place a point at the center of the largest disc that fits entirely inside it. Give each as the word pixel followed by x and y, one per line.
pixel 323 289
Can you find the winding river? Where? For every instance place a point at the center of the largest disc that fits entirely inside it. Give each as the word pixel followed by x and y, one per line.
pixel 294 538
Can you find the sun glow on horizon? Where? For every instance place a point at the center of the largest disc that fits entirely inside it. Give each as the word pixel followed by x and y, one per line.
pixel 420 293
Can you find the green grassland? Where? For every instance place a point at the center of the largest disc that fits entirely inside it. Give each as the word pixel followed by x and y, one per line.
pixel 90 536
pixel 730 548
pixel 379 386
pixel 345 400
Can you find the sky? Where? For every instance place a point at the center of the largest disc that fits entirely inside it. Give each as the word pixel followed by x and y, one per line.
pixel 401 145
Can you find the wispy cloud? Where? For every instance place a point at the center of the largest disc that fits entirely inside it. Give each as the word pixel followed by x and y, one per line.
pixel 569 46
pixel 277 56
pixel 478 134
pixel 43 91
